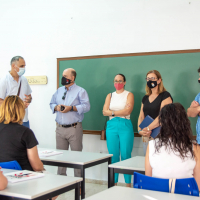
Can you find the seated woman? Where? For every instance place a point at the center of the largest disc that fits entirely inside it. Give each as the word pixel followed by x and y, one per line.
pixel 17 142
pixel 3 181
pixel 173 154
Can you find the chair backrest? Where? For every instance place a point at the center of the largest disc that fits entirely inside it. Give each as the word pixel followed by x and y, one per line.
pixel 186 186
pixel 11 165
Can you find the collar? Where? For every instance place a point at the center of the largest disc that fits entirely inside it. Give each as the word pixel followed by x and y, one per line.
pixel 71 86
pixel 11 77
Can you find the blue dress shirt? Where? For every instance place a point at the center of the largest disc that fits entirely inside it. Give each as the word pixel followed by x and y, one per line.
pixel 197 98
pixel 75 96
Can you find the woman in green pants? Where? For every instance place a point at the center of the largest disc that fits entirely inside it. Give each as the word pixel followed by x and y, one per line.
pixel 119 132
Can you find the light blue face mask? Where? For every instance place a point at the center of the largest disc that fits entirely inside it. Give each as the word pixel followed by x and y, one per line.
pixel 21 71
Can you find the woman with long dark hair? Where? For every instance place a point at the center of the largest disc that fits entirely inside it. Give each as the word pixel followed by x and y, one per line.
pixel 173 154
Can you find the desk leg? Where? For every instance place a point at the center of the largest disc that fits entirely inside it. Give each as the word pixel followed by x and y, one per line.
pixel 109 162
pixel 77 192
pixel 112 177
pixel 83 183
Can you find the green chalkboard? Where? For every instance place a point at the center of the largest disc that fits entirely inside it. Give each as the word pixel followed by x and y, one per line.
pixel 95 75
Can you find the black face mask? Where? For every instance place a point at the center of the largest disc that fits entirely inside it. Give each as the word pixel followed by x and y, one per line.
pixel 65 81
pixel 151 84
pixel 199 81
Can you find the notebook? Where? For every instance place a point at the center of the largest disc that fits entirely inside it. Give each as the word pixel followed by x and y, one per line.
pixel 146 122
pixel 14 177
pixel 47 153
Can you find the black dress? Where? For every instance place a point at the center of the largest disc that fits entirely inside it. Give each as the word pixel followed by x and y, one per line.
pixel 152 109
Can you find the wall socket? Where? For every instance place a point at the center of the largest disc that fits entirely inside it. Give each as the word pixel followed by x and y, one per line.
pixel 37 80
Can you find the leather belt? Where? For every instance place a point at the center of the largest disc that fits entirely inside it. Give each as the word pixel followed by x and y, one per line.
pixel 67 126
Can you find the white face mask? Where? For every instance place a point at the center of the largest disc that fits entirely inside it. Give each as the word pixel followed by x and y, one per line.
pixel 21 71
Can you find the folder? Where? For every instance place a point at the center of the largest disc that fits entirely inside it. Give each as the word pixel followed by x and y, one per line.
pixel 146 122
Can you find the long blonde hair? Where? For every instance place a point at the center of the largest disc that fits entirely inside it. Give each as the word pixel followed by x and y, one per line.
pixel 12 110
pixel 161 87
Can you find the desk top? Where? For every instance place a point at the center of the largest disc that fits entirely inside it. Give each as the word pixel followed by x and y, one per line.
pixel 134 163
pixel 120 193
pixel 74 157
pixel 8 170
pixel 33 188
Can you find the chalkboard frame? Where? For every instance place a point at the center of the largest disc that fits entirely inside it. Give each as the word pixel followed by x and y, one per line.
pixel 121 55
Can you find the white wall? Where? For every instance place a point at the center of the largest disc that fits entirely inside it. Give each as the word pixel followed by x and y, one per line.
pixel 42 31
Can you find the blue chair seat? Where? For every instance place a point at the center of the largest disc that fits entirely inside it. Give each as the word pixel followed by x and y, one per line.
pixel 11 165
pixel 186 186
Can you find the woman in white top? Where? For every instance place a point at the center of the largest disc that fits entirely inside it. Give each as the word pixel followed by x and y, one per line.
pixel 119 132
pixel 173 154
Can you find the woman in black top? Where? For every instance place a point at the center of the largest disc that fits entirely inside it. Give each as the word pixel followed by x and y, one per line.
pixel 17 141
pixel 156 97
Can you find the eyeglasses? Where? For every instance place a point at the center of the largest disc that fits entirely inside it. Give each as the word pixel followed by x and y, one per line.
pixel 151 79
pixel 118 81
pixel 64 95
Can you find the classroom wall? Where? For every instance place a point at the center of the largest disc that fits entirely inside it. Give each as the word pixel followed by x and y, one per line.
pixel 42 31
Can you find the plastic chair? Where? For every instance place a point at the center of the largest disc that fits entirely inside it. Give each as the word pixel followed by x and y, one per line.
pixel 11 165
pixel 186 186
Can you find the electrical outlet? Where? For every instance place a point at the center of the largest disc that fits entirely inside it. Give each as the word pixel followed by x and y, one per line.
pixel 37 80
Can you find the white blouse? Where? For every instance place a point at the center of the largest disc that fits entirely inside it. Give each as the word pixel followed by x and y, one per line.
pixel 118 102
pixel 167 164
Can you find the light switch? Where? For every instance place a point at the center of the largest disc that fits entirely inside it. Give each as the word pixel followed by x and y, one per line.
pixel 37 80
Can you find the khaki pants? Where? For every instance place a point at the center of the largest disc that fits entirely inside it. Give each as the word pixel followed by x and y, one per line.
pixel 69 136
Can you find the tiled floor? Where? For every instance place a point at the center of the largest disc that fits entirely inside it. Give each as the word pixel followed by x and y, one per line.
pixel 90 189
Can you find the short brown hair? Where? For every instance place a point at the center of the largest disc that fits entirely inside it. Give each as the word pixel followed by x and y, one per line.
pixel 161 87
pixel 12 110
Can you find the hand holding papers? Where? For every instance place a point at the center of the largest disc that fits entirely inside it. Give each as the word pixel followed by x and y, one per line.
pixel 146 122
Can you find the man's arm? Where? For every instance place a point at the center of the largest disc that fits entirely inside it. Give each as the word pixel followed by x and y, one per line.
pixel 194 109
pixel 84 105
pixel 53 104
pixel 2 90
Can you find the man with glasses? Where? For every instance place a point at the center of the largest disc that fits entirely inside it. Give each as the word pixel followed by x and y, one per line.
pixel 14 83
pixel 69 102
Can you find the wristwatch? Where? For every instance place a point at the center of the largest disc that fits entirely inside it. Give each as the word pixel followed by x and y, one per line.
pixel 148 128
pixel 113 114
pixel 72 109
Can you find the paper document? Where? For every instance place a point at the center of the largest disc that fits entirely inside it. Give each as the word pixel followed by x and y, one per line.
pixel 47 153
pixel 14 177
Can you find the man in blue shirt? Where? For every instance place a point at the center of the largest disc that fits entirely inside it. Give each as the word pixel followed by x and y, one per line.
pixel 69 102
pixel 194 110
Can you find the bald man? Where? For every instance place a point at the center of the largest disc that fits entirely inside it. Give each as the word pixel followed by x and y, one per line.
pixel 69 102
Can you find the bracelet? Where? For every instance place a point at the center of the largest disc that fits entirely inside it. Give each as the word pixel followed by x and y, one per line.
pixel 148 128
pixel 72 109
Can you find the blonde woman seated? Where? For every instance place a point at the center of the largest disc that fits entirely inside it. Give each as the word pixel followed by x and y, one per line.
pixel 173 154
pixel 17 142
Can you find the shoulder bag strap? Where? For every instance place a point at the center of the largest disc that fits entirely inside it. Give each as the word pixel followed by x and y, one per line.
pixel 19 89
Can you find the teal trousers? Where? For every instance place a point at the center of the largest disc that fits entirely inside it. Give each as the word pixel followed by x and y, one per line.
pixel 120 138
